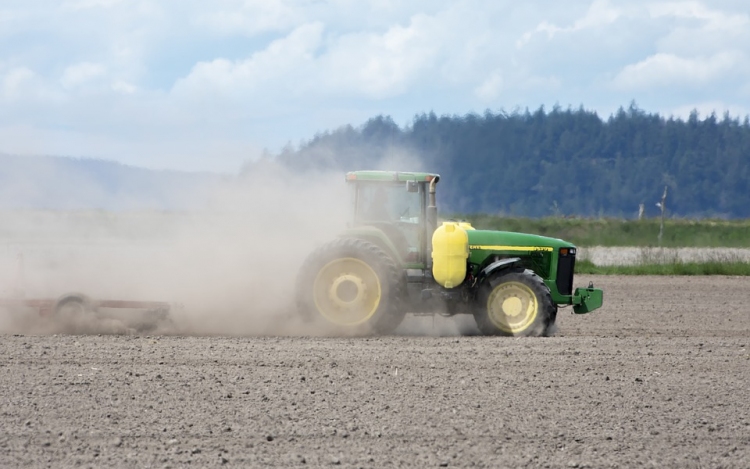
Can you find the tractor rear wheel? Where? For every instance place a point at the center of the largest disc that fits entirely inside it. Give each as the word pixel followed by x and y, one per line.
pixel 515 303
pixel 352 285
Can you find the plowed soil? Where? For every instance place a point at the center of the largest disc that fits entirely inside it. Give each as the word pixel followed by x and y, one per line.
pixel 659 377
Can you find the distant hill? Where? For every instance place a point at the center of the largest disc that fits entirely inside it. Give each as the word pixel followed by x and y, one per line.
pixel 62 183
pixel 561 162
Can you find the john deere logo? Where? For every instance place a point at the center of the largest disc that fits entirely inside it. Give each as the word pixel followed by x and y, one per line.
pixel 509 248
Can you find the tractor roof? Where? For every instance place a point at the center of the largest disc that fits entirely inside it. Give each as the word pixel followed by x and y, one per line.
pixel 395 176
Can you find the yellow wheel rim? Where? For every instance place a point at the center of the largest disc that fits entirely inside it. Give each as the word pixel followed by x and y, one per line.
pixel 512 307
pixel 347 292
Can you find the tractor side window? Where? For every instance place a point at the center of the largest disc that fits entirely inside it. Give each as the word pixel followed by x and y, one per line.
pixel 395 211
pixel 387 202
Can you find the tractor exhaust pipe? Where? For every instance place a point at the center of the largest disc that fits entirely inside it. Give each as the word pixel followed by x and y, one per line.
pixel 431 222
pixel 432 207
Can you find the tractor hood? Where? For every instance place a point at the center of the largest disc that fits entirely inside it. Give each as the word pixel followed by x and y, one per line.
pixel 510 242
pixel 540 253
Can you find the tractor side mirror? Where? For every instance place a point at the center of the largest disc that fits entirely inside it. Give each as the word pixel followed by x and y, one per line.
pixel 412 186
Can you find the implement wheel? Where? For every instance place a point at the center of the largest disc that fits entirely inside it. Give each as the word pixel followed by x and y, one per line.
pixel 73 307
pixel 515 303
pixel 74 313
pixel 352 285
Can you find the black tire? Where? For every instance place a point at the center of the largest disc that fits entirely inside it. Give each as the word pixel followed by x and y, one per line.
pixel 516 303
pixel 353 286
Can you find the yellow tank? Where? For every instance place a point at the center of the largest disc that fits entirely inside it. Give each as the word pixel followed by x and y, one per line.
pixel 450 248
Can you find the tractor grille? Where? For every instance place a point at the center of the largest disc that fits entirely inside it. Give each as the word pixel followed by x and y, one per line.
pixel 565 266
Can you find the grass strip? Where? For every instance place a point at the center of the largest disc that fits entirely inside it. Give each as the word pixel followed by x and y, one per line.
pixel 584 266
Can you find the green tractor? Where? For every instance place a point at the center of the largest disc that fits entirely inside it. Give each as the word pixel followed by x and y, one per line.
pixel 395 259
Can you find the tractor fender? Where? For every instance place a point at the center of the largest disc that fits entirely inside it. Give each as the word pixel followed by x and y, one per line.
pixel 497 266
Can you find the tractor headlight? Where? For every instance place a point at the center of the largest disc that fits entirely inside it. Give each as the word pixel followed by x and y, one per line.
pixel 567 251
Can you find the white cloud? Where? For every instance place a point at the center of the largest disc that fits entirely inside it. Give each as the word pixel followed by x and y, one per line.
pixel 537 82
pixel 490 88
pixel 372 65
pixel 124 87
pixel 81 74
pixel 382 65
pixel 251 17
pixel 85 4
pixel 714 19
pixel 9 16
pixel 21 83
pixel 662 70
pixel 15 80
pixel 599 14
pixel 271 66
pixel 696 29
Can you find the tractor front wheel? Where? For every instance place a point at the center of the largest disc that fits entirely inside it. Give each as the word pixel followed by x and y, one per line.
pixel 514 303
pixel 353 286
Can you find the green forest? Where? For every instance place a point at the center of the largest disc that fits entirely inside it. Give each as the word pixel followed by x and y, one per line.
pixel 561 162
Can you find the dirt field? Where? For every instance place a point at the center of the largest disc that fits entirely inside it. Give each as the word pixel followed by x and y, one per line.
pixel 660 377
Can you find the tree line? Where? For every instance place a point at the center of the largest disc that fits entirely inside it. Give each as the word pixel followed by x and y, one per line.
pixel 561 162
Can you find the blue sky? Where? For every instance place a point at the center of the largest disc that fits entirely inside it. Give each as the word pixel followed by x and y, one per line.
pixel 196 85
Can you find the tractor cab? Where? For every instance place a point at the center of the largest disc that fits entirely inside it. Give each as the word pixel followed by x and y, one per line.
pixel 395 204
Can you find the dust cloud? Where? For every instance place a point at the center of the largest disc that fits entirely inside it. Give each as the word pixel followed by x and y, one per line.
pixel 227 267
